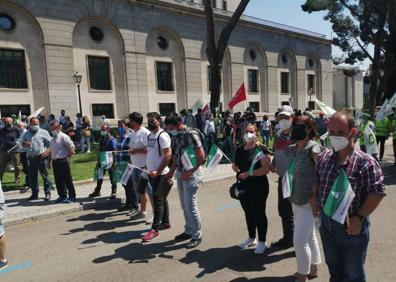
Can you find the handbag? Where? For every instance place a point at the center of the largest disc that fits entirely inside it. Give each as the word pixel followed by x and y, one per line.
pixel 236 190
pixel 86 132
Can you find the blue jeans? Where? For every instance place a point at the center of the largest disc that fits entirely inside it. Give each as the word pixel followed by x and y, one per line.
pixel 188 194
pixel 36 165
pixel 345 255
pixel 266 137
pixel 136 173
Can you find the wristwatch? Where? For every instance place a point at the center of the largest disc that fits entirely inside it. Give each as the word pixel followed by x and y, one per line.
pixel 361 217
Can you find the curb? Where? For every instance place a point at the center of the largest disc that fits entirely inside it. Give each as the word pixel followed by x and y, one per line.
pixel 102 202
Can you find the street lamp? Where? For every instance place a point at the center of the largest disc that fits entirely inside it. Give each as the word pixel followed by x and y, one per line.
pixel 77 80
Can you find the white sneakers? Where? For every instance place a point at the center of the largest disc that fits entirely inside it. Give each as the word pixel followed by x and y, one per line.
pixel 247 243
pixel 260 248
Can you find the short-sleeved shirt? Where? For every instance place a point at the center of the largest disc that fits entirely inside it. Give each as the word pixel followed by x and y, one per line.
pixel 363 171
pixel 304 169
pixel 265 125
pixel 60 146
pixel 139 141
pixel 8 138
pixel 122 148
pixel 40 141
pixel 154 153
pixel 180 142
pixel 281 161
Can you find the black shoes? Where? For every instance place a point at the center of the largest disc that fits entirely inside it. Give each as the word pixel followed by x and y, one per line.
pixel 193 243
pixel 183 237
pixel 282 244
pixel 94 194
pixel 32 198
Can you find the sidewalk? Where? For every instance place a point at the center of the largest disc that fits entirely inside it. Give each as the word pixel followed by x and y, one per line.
pixel 18 210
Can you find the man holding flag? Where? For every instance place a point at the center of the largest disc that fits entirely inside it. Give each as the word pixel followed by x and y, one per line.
pixel 351 186
pixel 188 156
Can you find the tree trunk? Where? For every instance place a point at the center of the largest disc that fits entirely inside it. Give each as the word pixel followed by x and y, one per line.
pixel 215 87
pixel 375 74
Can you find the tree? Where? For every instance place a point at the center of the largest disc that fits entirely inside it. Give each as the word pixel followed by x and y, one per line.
pixel 215 49
pixel 362 29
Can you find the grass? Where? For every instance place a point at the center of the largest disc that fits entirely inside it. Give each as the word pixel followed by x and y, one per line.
pixel 82 167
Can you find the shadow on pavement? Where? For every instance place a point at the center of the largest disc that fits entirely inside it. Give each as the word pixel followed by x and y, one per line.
pixel 389 174
pixel 215 259
pixel 264 279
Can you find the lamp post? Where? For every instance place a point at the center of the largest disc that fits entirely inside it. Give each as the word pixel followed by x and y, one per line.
pixel 77 80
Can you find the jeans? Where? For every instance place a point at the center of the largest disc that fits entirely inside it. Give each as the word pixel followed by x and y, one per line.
pixel 5 158
pixel 82 143
pixel 211 140
pixel 227 147
pixel 36 165
pixel 63 178
pixel 253 203
pixel 305 242
pixel 188 195
pixel 161 206
pixel 136 173
pixel 266 137
pixel 99 182
pixel 286 213
pixel 394 148
pixel 25 166
pixel 345 255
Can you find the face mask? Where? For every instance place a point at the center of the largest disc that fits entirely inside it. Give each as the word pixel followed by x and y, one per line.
pixel 34 128
pixel 121 130
pixel 298 133
pixel 152 125
pixel 285 124
pixel 173 132
pixel 54 133
pixel 249 137
pixel 339 142
pixel 103 133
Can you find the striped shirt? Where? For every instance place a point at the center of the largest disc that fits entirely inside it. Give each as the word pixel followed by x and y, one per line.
pixel 364 174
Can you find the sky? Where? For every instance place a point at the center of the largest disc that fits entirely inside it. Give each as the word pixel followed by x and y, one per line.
pixel 289 12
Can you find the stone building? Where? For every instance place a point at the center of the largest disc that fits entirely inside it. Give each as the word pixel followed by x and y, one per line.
pixel 149 55
pixel 347 87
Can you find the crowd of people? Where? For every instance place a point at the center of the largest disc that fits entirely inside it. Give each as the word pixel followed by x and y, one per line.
pixel 161 153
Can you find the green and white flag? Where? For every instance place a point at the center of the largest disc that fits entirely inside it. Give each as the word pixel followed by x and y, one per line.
pixel 339 199
pixel 98 173
pixel 197 105
pixel 370 141
pixel 106 159
pixel 188 158
pixel 287 180
pixel 123 173
pixel 328 111
pixel 258 156
pixel 214 157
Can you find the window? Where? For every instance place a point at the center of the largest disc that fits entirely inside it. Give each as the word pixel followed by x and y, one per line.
pixel 284 83
pixel 285 103
pixel 253 82
pixel 162 43
pixel 96 33
pixel 166 108
pixel 7 23
pixel 209 79
pixel 99 73
pixel 224 5
pixel 164 76
pixel 255 106
pixel 311 84
pixel 252 54
pixel 7 110
pixel 103 109
pixel 214 4
pixel 12 69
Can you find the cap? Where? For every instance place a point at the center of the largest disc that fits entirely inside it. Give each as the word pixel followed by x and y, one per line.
pixel 285 110
pixel 321 113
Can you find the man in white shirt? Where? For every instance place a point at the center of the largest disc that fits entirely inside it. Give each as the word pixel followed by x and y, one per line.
pixel 266 129
pixel 62 148
pixel 159 153
pixel 210 131
pixel 138 152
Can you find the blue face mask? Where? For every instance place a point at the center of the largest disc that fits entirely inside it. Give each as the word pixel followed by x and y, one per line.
pixel 173 132
pixel 121 131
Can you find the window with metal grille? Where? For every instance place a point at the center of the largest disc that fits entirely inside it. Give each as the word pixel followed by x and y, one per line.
pixel 255 106
pixel 7 110
pixel 12 69
pixel 99 73
pixel 164 76
pixel 253 81
pixel 284 83
pixel 166 108
pixel 103 109
pixel 311 83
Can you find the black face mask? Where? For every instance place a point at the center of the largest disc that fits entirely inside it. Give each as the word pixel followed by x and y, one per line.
pixel 298 133
pixel 151 125
pixel 8 125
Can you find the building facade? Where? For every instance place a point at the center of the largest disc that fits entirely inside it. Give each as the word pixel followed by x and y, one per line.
pixel 347 88
pixel 149 55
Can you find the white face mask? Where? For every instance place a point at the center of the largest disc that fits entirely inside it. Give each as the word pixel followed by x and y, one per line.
pixel 54 133
pixel 285 123
pixel 338 142
pixel 249 137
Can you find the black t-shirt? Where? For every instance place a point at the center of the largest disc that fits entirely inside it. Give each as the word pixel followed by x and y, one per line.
pixel 8 138
pixel 243 160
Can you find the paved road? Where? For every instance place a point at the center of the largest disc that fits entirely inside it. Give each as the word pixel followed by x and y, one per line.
pixel 103 245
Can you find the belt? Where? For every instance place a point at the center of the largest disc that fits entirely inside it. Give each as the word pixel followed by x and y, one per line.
pixel 58 160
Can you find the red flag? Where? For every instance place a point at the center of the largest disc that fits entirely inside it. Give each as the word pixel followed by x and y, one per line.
pixel 206 108
pixel 239 97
